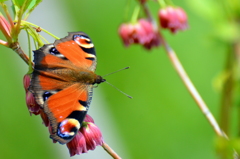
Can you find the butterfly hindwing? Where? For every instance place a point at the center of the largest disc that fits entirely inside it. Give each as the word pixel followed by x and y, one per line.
pixel 62 82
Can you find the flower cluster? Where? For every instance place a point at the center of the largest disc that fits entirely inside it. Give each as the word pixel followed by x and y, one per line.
pixel 143 32
pixel 173 19
pixel 89 135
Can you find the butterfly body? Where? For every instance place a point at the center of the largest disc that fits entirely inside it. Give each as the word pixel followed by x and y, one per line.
pixel 62 83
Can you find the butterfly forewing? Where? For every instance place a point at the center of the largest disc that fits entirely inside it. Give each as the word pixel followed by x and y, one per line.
pixel 84 56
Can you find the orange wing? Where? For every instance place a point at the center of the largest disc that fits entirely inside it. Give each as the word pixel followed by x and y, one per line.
pixel 79 49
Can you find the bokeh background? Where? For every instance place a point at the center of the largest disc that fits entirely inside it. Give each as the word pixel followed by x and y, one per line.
pixel 161 121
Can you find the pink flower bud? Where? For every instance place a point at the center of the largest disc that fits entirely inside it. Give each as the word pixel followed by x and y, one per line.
pixel 92 135
pixel 5 27
pixel 88 118
pixel 125 32
pixel 26 81
pixel 173 19
pixel 143 33
pixel 77 145
pixel 32 105
pixel 88 137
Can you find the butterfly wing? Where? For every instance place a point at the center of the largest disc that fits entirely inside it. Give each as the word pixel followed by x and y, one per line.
pixel 84 57
pixel 60 83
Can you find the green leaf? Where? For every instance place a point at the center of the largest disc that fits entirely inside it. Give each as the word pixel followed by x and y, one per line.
pixel 15 11
pixel 32 6
pixel 18 3
pixel 24 5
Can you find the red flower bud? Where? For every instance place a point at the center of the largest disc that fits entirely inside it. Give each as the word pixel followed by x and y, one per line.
pixel 173 19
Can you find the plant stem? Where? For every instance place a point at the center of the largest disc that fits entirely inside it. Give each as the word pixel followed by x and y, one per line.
pixel 187 82
pixel 162 3
pixel 236 49
pixel 147 12
pixel 192 90
pixel 135 14
pixel 227 92
pixel 16 47
pixel 110 151
pixel 36 26
pixel 4 43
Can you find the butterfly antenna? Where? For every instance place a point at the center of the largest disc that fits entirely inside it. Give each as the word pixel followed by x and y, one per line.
pixel 116 71
pixel 119 90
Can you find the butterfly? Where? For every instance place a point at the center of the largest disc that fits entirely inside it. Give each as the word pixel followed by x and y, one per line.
pixel 62 83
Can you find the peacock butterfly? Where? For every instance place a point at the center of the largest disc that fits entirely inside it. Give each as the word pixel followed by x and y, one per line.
pixel 62 83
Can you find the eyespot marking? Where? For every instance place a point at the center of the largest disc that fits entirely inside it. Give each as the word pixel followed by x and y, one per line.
pixel 55 52
pixel 46 95
pixel 68 128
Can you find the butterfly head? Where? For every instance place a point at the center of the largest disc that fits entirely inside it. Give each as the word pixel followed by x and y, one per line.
pixel 99 80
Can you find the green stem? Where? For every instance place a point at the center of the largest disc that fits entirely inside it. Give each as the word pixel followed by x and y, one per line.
pixel 34 35
pixel 44 39
pixel 237 55
pixel 227 92
pixel 162 3
pixel 16 29
pixel 135 14
pixel 30 65
pixel 36 26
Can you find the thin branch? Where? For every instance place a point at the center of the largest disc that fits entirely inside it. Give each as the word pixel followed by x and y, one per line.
pixel 147 12
pixel 191 88
pixel 110 151
pixel 186 80
pixel 16 47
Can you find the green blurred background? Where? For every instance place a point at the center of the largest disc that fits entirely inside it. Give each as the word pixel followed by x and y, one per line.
pixel 161 121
